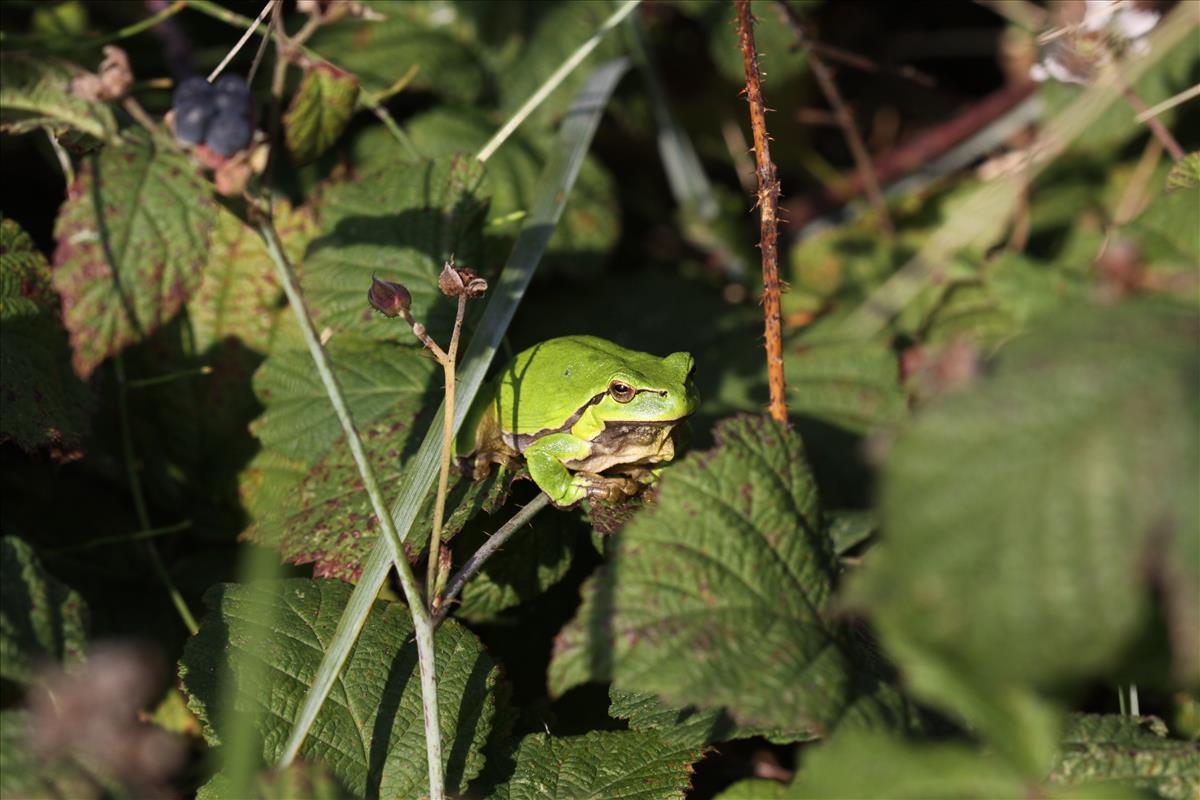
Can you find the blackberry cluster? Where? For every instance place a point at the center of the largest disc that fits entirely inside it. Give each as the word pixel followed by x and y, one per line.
pixel 218 114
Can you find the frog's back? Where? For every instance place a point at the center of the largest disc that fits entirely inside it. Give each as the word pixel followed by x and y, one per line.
pixel 546 384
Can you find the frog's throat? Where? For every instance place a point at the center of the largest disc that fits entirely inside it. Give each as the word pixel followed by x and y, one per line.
pixel 628 443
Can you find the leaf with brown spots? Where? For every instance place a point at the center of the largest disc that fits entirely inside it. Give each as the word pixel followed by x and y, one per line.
pixel 132 239
pixel 717 596
pixel 319 111
pixel 239 296
pixel 335 527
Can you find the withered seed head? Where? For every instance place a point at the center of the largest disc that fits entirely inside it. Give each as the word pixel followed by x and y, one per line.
pixel 460 281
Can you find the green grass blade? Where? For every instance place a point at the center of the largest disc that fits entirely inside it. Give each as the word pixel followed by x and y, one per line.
pixel 558 178
pixel 557 78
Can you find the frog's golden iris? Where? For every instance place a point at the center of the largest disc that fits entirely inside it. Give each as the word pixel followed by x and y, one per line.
pixel 578 406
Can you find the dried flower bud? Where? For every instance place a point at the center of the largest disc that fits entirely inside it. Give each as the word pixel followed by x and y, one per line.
pixel 389 299
pixel 112 82
pixel 87 86
pixel 115 73
pixel 332 10
pixel 461 281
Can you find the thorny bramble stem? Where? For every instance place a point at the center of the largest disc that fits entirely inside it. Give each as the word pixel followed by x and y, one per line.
pixel 768 206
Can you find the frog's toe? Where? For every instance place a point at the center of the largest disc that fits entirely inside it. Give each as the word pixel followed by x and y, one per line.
pixel 612 489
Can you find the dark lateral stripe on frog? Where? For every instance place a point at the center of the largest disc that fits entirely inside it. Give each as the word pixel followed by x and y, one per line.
pixel 523 440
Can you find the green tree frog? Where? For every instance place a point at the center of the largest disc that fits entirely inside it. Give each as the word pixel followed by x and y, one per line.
pixel 578 406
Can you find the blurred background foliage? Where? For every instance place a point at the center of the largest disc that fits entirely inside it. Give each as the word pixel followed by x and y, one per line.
pixel 1069 323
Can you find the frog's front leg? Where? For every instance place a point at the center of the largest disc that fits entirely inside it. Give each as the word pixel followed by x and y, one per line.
pixel 545 458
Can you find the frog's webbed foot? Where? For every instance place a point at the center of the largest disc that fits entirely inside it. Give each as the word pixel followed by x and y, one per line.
pixel 609 488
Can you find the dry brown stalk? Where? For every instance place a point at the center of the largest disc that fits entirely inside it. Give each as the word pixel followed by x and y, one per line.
pixel 843 115
pixel 768 208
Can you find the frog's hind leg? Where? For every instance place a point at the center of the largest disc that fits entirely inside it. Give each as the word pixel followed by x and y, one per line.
pixel 482 463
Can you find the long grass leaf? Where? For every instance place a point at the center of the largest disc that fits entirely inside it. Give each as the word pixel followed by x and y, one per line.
pixel 552 83
pixel 555 186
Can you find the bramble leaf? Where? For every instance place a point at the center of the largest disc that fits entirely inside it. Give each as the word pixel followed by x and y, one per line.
pixel 1023 518
pixel 716 596
pixel 319 111
pixel 851 384
pixel 36 93
pixel 376 377
pixel 689 726
pixel 239 296
pixel 402 221
pixel 41 399
pixel 132 238
pixel 41 620
pixel 370 734
pixel 590 222
pixel 1168 234
pixel 597 766
pixel 1127 752
pixel 1185 174
pixel 535 559
pixel 331 522
pixel 406 44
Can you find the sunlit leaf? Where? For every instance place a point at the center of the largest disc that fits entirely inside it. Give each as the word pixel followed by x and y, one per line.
pixel 598 766
pixel 371 734
pixel 716 596
pixel 401 222
pixel 1127 752
pixel 36 93
pixel 319 111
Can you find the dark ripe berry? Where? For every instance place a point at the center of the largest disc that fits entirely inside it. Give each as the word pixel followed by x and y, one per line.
pixel 228 132
pixel 192 92
pixel 232 94
pixel 191 122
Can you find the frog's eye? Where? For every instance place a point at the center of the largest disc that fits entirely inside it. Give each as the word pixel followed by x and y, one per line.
pixel 621 392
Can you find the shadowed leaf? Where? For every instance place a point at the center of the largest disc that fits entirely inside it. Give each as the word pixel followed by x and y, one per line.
pixel 41 620
pixel 41 399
